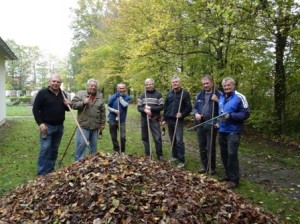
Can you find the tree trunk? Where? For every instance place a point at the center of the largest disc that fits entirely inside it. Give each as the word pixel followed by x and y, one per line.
pixel 280 83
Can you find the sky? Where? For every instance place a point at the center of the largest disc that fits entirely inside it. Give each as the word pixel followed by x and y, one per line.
pixel 42 23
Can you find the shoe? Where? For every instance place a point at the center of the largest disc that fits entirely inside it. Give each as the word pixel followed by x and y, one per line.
pixel 172 160
pixel 222 179
pixel 232 185
pixel 160 158
pixel 180 165
pixel 202 170
pixel 212 172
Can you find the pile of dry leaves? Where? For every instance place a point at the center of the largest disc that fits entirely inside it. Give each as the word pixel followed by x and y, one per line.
pixel 126 189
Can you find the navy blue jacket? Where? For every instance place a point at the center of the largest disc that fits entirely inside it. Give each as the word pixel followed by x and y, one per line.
pixel 113 103
pixel 172 104
pixel 200 101
pixel 236 106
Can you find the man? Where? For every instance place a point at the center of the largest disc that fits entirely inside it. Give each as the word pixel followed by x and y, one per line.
pixel 176 108
pixel 117 106
pixel 49 113
pixel 150 104
pixel 91 118
pixel 205 108
pixel 234 106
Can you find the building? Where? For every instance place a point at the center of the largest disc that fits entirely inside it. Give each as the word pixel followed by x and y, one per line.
pixel 5 54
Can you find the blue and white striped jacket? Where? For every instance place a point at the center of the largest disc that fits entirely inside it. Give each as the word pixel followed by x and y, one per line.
pixel 236 106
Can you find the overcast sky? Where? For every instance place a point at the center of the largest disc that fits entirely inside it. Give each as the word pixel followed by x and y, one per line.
pixel 43 23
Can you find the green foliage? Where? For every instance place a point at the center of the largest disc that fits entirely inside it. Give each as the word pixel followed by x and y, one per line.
pixel 22 99
pixel 261 121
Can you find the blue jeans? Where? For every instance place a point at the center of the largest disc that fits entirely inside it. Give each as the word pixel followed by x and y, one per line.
pixel 229 144
pixel 156 134
pixel 207 135
pixel 113 130
pixel 49 149
pixel 178 150
pixel 91 136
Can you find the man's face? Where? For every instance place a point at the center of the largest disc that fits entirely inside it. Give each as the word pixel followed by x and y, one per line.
pixel 207 85
pixel 92 88
pixel 176 84
pixel 228 87
pixel 149 86
pixel 121 89
pixel 54 83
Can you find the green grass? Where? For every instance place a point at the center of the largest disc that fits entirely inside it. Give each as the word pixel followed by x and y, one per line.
pixel 19 148
pixel 18 111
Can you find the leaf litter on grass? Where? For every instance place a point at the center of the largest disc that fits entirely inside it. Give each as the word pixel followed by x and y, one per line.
pixel 126 189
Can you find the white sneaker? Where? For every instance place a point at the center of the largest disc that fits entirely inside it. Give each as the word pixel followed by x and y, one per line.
pixel 180 165
pixel 172 160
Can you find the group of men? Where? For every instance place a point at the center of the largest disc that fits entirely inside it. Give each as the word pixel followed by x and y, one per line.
pixel 51 103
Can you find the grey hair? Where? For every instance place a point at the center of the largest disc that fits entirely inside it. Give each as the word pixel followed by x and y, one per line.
pixel 121 84
pixel 175 77
pixel 226 79
pixel 92 80
pixel 149 80
pixel 55 75
pixel 209 77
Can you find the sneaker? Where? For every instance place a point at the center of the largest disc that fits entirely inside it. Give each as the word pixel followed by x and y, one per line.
pixel 202 170
pixel 180 165
pixel 212 172
pixel 222 179
pixel 232 185
pixel 160 158
pixel 172 160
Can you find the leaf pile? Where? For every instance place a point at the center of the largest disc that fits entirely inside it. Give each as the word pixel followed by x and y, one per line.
pixel 126 189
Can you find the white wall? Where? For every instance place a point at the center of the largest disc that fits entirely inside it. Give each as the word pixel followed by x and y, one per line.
pixel 2 91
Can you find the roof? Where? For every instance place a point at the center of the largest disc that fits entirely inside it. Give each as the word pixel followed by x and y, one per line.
pixel 6 51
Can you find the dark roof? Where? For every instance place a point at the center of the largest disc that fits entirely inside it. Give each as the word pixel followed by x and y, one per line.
pixel 6 51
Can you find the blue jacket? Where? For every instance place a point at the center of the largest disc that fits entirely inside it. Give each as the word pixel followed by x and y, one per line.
pixel 200 101
pixel 236 106
pixel 172 104
pixel 113 105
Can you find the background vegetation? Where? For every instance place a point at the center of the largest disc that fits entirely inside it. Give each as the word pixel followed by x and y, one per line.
pixel 256 42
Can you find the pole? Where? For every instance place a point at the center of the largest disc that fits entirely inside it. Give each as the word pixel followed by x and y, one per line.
pixel 176 123
pixel 211 133
pixel 206 122
pixel 119 124
pixel 148 125
pixel 80 129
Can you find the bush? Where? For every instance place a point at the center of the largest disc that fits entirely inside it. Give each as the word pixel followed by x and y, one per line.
pixel 261 121
pixel 17 100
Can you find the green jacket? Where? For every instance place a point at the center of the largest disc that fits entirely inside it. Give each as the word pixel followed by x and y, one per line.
pixel 90 116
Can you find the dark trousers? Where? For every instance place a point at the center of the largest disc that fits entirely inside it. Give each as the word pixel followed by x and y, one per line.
pixel 156 134
pixel 207 135
pixel 178 150
pixel 229 144
pixel 113 130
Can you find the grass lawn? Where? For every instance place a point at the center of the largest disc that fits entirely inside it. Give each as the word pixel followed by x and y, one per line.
pixel 19 148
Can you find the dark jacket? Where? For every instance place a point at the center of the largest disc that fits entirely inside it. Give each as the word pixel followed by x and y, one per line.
pixel 236 106
pixel 200 101
pixel 172 104
pixel 49 108
pixel 113 105
pixel 154 100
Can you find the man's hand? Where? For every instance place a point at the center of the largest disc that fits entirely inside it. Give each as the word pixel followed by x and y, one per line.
pixel 225 116
pixel 214 98
pixel 198 117
pixel 179 115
